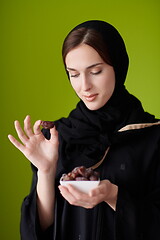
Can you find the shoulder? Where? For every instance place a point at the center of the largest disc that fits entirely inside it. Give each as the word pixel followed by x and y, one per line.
pixel 145 137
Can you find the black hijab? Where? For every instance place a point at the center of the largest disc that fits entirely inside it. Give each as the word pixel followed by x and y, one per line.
pixel 114 44
pixel 85 134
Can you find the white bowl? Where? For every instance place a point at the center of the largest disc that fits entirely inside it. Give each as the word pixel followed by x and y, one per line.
pixel 83 186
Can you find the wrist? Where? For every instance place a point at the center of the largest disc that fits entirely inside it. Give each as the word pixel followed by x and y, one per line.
pixel 112 197
pixel 46 182
pixel 114 192
pixel 47 174
pixel 48 171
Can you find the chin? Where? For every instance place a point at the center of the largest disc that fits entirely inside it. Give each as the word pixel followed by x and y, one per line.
pixel 92 106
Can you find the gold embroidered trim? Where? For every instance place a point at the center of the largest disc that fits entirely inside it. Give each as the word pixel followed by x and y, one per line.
pixel 99 163
pixel 138 126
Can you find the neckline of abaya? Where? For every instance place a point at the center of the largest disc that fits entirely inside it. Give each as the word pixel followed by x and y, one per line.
pixel 126 128
pixel 85 135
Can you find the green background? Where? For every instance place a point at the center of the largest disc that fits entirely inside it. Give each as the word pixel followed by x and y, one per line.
pixel 33 80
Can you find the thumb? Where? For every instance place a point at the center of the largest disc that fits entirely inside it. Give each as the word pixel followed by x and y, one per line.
pixel 54 135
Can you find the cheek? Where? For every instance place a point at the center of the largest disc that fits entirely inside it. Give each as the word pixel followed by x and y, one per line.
pixel 110 82
pixel 111 86
pixel 75 86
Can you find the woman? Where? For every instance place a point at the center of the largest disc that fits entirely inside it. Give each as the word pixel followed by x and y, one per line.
pixel 108 129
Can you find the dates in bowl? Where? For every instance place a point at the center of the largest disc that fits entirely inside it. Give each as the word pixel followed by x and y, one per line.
pixel 82 178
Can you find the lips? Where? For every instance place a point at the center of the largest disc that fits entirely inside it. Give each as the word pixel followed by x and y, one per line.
pixel 90 97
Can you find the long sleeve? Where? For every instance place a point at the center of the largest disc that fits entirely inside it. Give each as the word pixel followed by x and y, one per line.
pixel 29 213
pixel 30 227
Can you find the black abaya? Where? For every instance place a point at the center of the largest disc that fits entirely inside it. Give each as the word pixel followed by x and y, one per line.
pixel 132 163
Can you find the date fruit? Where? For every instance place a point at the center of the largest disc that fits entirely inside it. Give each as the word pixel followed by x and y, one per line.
pixel 47 124
pixel 81 174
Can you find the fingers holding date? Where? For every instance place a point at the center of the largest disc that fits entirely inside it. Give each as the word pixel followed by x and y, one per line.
pixel 41 152
pixel 43 124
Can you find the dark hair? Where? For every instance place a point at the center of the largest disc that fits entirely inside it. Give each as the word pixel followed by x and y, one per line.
pixel 87 36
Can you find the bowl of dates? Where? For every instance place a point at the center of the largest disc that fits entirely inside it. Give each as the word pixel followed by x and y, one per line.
pixel 82 178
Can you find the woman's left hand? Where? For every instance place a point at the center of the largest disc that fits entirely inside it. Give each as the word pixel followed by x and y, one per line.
pixel 105 191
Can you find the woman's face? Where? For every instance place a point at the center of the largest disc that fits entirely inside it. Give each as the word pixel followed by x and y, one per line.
pixel 92 79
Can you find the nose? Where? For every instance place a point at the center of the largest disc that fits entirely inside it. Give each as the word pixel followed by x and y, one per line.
pixel 86 83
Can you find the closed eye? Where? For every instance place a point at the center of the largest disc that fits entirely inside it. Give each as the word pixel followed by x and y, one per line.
pixel 96 73
pixel 74 75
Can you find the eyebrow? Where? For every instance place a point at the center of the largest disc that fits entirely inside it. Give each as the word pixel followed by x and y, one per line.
pixel 91 66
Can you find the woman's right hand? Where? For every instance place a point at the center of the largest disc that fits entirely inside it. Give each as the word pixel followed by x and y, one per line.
pixel 42 153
